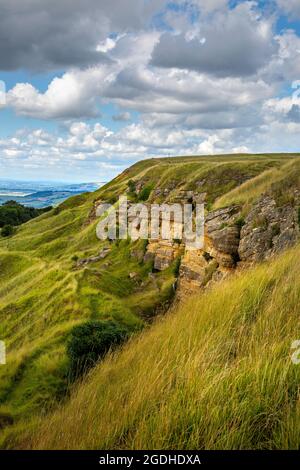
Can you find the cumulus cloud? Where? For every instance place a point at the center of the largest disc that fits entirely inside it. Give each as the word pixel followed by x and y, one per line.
pixel 236 42
pixel 90 150
pixel 73 95
pixel 285 109
pixel 39 35
pixel 291 7
pixel 204 77
pixel 217 82
pixel 88 147
pixel 211 5
pixel 77 93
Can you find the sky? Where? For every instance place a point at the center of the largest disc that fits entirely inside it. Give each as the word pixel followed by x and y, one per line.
pixel 89 87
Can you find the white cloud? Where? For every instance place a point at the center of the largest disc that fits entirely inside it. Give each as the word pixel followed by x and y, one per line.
pixel 73 95
pixel 213 47
pixel 214 88
pixel 291 7
pixel 193 96
pixel 59 34
pixel 99 153
pixel 211 5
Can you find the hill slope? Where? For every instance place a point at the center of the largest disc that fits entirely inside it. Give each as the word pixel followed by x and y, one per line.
pixel 214 374
pixel 48 285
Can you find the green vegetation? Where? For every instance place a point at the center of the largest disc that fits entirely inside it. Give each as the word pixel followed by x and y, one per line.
pixel 12 213
pixel 90 342
pixel 145 192
pixel 250 190
pixel 7 231
pixel 44 295
pixel 214 374
pixel 131 190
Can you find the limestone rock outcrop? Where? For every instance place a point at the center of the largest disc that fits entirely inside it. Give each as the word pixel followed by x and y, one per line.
pixel 268 229
pixel 162 253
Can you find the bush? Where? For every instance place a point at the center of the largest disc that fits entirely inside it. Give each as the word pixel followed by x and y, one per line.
pixel 7 231
pixel 90 342
pixel 131 186
pixel 131 190
pixel 145 193
pixel 13 213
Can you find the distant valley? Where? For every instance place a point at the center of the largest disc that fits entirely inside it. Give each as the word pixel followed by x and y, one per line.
pixel 42 194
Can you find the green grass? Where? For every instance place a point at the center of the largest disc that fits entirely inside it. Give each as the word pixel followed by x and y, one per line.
pixel 216 373
pixel 43 295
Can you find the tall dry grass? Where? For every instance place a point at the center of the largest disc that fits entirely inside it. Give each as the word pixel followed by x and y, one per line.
pixel 249 191
pixel 214 374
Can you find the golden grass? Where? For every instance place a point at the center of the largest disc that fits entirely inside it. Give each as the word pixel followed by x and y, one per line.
pixel 214 374
pixel 249 191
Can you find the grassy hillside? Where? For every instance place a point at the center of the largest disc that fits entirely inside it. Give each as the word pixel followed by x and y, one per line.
pixel 216 373
pixel 44 294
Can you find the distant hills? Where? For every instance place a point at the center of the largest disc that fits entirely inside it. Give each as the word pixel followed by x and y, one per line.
pixel 42 194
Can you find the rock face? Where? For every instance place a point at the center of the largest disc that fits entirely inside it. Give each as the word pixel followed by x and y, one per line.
pixel 196 271
pixel 268 229
pixel 189 197
pixel 223 235
pixel 162 253
pixel 230 240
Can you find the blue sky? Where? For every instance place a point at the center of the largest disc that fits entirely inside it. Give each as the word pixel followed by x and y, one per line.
pixel 92 89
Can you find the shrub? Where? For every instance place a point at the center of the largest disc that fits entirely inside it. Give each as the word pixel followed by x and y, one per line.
pixel 145 193
pixel 90 342
pixel 131 190
pixel 13 213
pixel 7 231
pixel 177 264
pixel 131 186
pixel 260 222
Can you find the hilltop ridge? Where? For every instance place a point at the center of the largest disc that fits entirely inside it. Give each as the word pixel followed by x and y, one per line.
pixel 55 273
